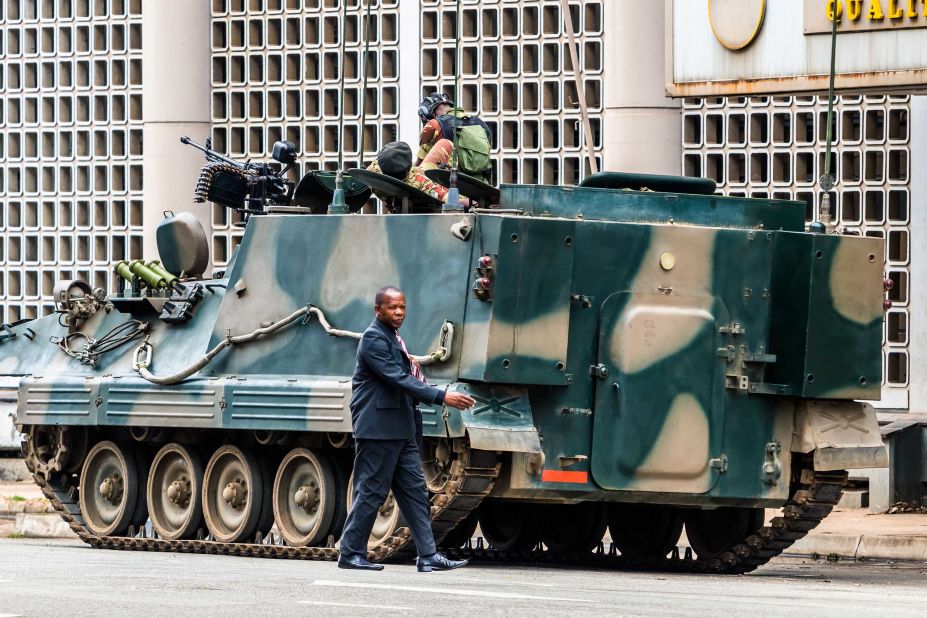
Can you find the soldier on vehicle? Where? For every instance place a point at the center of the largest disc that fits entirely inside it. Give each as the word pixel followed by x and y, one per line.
pixel 387 386
pixel 446 127
pixel 395 160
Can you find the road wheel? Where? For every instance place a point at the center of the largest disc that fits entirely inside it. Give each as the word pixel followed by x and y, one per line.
pixel 644 530
pixel 437 456
pixel 109 489
pixel 304 497
pixel 462 532
pixel 233 494
pixel 508 525
pixel 570 528
pixel 342 469
pixel 388 520
pixel 711 533
pixel 175 488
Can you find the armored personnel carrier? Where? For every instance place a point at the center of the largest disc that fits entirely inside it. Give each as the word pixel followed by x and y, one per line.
pixel 645 356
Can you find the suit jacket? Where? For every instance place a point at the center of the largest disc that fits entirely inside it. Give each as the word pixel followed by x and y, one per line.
pixel 384 393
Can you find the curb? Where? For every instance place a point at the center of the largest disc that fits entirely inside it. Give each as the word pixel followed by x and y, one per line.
pixel 10 508
pixel 42 526
pixel 13 470
pixel 859 547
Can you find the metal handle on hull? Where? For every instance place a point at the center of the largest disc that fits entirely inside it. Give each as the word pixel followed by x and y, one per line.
pixel 144 352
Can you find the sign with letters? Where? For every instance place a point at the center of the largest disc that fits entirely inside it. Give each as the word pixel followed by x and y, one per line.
pixel 749 47
pixel 863 15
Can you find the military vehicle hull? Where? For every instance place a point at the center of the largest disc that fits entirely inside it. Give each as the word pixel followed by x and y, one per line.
pixel 639 360
pixel 10 439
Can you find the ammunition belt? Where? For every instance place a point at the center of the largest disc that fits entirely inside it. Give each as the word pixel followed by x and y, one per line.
pixel 472 477
pixel 207 176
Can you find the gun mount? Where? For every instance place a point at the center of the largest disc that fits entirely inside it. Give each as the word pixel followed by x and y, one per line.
pixel 248 187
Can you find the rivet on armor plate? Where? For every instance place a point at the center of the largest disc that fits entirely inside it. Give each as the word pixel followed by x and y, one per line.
pixel 667 261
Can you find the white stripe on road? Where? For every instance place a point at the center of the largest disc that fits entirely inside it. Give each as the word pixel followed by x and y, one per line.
pixel 333 604
pixel 10 615
pixel 496 582
pixel 447 591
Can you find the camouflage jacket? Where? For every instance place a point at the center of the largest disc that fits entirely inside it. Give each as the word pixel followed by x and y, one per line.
pixel 415 178
pixel 429 136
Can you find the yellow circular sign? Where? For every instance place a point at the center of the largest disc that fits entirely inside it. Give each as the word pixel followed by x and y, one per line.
pixel 736 23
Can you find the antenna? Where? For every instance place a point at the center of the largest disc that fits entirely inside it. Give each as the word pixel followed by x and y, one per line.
pixel 827 179
pixel 453 193
pixel 580 86
pixel 338 206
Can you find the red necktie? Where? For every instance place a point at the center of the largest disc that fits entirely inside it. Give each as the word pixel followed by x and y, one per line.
pixel 416 368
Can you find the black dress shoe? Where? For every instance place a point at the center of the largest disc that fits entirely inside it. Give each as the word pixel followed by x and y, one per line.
pixel 358 562
pixel 438 562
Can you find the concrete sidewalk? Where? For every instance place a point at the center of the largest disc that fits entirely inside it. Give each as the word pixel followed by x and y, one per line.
pixel 855 534
pixel 846 534
pixel 25 512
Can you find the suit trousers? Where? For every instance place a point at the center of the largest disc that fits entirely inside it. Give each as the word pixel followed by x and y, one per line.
pixel 381 465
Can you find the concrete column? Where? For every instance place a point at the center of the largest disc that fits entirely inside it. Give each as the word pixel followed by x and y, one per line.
pixel 917 330
pixel 175 99
pixel 642 126
pixel 410 74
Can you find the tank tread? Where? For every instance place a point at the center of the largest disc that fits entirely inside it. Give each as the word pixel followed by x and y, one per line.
pixel 814 500
pixel 466 488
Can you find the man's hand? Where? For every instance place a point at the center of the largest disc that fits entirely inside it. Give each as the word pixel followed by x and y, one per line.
pixel 459 401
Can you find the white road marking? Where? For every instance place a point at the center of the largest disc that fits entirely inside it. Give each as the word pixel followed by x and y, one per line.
pixel 10 615
pixel 496 582
pixel 447 591
pixel 361 605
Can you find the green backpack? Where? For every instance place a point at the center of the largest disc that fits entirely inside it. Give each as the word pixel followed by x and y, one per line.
pixel 472 142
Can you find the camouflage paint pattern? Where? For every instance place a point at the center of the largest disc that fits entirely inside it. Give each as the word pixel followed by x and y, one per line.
pixel 630 346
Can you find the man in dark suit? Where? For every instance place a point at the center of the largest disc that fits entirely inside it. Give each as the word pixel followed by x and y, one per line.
pixel 387 387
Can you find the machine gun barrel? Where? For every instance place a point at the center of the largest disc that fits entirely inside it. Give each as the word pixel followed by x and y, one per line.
pixel 211 154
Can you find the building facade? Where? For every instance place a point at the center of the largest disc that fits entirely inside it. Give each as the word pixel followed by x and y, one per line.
pixel 96 93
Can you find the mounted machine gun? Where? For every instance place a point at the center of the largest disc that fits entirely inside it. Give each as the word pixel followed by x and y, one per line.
pixel 249 187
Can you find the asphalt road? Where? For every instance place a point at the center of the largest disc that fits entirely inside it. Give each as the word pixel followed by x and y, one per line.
pixel 43 578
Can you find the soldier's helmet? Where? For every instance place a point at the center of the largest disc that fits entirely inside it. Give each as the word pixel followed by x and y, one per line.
pixel 426 109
